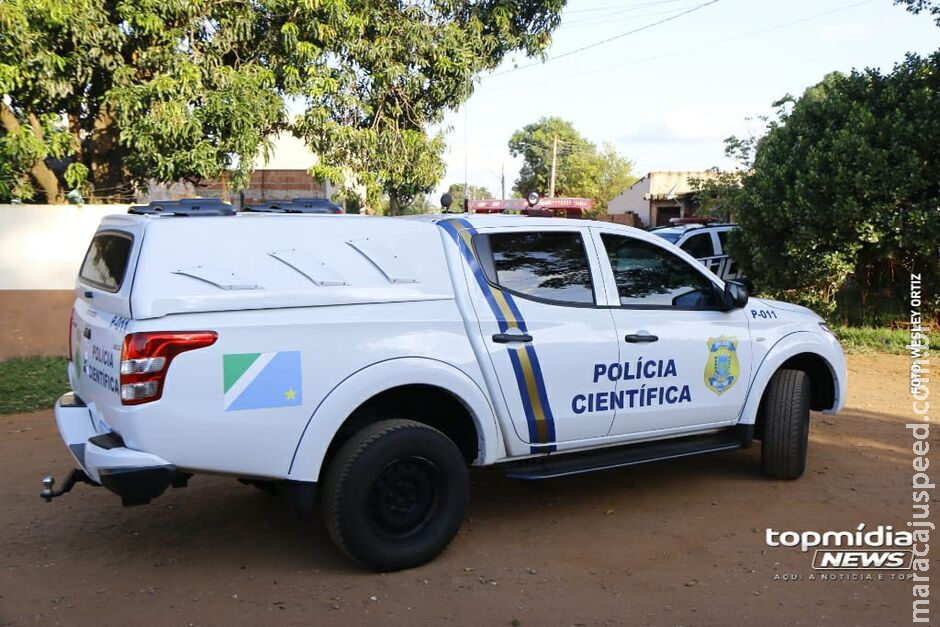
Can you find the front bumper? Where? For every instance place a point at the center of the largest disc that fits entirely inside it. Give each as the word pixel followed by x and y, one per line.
pixel 133 475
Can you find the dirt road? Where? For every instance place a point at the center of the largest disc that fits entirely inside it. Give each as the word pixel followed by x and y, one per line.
pixel 665 544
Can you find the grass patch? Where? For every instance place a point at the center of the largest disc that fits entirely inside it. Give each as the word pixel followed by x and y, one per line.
pixel 873 340
pixel 32 383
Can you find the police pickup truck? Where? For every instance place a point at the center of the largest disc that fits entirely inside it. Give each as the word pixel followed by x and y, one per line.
pixel 365 362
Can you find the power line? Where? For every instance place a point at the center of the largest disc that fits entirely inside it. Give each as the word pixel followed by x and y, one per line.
pixel 610 14
pixel 673 53
pixel 609 39
pixel 609 20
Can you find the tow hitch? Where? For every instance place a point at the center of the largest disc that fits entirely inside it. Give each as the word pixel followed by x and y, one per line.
pixel 76 476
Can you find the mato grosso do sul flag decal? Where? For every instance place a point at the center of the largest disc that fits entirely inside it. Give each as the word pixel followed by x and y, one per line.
pixel 262 380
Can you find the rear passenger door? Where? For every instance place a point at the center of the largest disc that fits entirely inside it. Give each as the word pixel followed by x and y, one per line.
pixel 702 247
pixel 544 332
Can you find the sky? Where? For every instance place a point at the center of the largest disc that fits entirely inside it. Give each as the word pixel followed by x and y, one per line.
pixel 667 95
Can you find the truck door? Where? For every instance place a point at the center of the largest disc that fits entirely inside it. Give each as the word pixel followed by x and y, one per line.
pixel 684 363
pixel 534 295
pixel 702 246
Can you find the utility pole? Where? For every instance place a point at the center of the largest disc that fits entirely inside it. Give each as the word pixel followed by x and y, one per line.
pixel 502 180
pixel 551 185
pixel 466 158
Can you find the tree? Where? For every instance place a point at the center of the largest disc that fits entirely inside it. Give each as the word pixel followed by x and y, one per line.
pixel 717 196
pixel 844 191
pixel 916 6
pixel 409 64
pixel 581 169
pixel 615 175
pixel 720 195
pixel 105 95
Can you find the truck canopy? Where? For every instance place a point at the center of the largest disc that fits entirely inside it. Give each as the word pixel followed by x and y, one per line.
pixel 203 264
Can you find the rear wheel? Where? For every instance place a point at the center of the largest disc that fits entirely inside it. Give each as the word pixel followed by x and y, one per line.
pixel 395 494
pixel 785 424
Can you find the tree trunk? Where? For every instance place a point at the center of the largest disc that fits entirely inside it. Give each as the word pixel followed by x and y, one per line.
pixel 45 178
pixel 75 130
pixel 106 161
pixel 393 207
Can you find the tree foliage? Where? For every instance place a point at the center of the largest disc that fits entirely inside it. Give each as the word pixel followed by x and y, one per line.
pixel 844 190
pixel 477 192
pixel 931 7
pixel 105 94
pixel 720 195
pixel 408 64
pixel 581 169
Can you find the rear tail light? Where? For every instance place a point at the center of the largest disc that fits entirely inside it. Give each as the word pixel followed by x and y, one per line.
pixel 146 358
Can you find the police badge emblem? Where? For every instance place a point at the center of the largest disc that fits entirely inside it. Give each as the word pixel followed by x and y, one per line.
pixel 721 367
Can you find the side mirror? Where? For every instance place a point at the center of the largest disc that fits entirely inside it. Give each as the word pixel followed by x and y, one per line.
pixel 735 296
pixel 746 282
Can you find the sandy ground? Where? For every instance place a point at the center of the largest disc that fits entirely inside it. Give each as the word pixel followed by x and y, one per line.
pixel 673 543
pixel 34 322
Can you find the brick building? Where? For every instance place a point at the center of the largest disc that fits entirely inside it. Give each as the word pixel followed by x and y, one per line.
pixel 285 175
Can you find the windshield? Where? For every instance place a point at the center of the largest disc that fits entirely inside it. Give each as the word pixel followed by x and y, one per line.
pixel 669 236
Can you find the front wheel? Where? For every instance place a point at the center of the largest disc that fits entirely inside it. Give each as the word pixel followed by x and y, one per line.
pixel 785 420
pixel 395 494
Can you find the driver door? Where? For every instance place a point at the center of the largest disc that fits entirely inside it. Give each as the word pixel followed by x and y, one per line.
pixel 684 363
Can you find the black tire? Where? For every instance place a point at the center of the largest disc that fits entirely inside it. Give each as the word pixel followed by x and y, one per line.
pixel 395 494
pixel 785 424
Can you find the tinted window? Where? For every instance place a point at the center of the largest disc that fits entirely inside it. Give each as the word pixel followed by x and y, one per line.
pixel 548 265
pixel 669 236
pixel 647 275
pixel 699 246
pixel 106 260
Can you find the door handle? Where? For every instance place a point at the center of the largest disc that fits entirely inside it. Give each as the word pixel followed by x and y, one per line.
pixel 87 333
pixel 637 338
pixel 506 338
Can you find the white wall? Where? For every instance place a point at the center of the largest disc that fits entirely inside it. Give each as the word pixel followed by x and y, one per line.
pixel 42 246
pixel 633 200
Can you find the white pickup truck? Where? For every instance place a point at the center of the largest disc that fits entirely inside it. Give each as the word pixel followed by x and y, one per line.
pixel 364 363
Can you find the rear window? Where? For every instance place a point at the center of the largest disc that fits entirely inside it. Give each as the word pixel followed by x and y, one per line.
pixel 106 260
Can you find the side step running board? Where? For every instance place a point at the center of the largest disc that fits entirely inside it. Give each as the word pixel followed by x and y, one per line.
pixel 563 465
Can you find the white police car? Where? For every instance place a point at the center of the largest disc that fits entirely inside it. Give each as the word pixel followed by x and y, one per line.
pixel 369 361
pixel 706 241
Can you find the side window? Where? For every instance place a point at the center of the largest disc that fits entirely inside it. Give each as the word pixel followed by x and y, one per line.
pixel 650 276
pixel 699 246
pixel 544 265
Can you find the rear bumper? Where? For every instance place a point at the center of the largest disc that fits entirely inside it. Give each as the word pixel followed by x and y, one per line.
pixel 133 475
